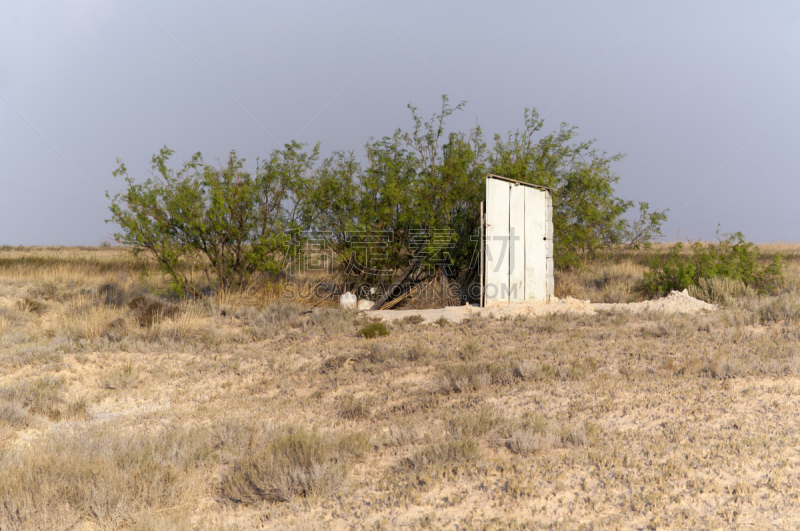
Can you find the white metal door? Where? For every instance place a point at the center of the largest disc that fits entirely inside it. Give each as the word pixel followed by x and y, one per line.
pixel 535 245
pixel 497 234
pixel 516 245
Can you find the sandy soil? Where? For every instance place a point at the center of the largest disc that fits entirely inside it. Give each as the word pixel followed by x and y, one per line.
pixel 571 415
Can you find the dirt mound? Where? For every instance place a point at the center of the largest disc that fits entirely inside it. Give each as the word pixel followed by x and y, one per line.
pixel 675 302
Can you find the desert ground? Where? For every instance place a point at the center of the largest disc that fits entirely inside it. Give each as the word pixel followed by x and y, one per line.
pixel 121 408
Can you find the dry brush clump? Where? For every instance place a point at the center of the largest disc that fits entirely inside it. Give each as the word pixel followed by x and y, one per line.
pixel 721 290
pixel 87 318
pixel 111 478
pixel 379 357
pixel 32 306
pixel 282 463
pixel 281 317
pixel 471 377
pixel 45 397
pixel 535 435
pixel 403 432
pixel 125 378
pixel 486 423
pixel 353 408
pixel 448 453
pixel 114 314
pixel 13 417
pixel 611 281
pixel 781 309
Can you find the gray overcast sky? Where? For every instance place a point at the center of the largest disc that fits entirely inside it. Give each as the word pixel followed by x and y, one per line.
pixel 702 96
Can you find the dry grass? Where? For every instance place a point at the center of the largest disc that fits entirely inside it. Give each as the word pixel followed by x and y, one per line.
pixel 124 378
pixel 287 462
pixel 352 408
pixel 601 282
pixel 113 479
pixel 615 277
pixel 445 454
pixel 45 397
pixel 721 291
pixel 121 407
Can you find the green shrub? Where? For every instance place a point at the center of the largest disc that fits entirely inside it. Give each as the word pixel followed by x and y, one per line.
pixel 237 227
pixel 731 257
pixel 230 224
pixel 374 330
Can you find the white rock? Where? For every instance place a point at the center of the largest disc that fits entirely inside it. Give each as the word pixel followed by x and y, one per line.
pixel 348 301
pixel 364 304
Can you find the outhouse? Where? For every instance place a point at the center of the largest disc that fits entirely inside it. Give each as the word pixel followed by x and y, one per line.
pixel 517 242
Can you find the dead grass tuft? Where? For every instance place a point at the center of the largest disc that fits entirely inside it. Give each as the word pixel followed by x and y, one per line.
pixel 44 357
pixel 451 452
pixel 537 435
pixel 45 397
pixel 783 309
pixel 469 351
pixel 418 352
pixel 355 444
pixel 109 478
pixel 468 377
pixel 487 422
pixel 527 441
pixel 402 433
pixel 279 317
pixel 186 325
pixel 720 290
pixel 113 294
pixel 149 311
pixel 412 320
pixel 88 319
pixel 124 378
pixel 284 463
pixel 34 306
pixel 49 291
pixel 14 415
pixel 117 329
pixel 352 408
